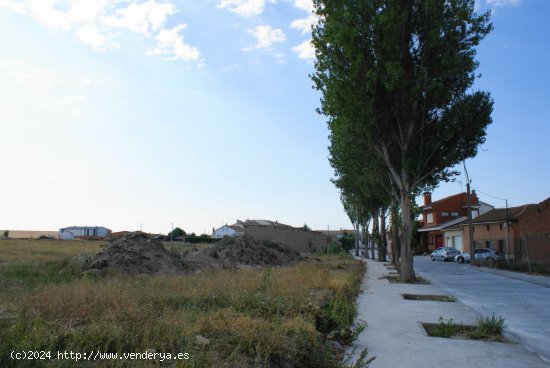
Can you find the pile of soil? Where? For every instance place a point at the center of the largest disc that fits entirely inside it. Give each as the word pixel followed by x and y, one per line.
pixel 240 252
pixel 137 254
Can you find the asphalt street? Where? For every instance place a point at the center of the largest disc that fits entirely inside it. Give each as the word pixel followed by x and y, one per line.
pixel 524 305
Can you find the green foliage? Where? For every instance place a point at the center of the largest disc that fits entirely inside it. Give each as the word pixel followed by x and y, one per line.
pixel 348 242
pixel 446 328
pixel 306 228
pixel 396 78
pixel 487 328
pixel 177 232
pixel 332 248
pixel 362 362
pixel 6 233
pixel 200 239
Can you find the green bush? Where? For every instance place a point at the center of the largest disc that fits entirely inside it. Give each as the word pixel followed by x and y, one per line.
pixel 348 242
pixel 332 248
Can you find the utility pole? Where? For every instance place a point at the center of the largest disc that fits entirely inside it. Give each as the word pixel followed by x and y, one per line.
pixel 470 226
pixel 507 255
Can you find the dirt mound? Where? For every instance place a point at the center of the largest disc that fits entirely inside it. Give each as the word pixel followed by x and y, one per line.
pixel 240 252
pixel 135 253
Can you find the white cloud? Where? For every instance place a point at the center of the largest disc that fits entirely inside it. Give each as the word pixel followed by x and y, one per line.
pixel 304 24
pixel 141 18
pixel 306 5
pixel 15 6
pixel 89 35
pixel 170 42
pixel 496 3
pixel 46 13
pixel 97 23
pixel 305 50
pixel 246 8
pixel 267 36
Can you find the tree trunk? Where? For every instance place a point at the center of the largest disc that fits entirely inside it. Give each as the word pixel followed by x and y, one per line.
pixel 407 271
pixel 365 233
pixel 383 249
pixel 374 233
pixel 396 244
pixel 357 238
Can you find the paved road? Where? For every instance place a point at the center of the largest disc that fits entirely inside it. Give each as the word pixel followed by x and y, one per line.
pixel 524 305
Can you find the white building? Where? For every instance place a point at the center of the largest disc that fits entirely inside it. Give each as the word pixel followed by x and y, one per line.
pixel 69 233
pixel 228 230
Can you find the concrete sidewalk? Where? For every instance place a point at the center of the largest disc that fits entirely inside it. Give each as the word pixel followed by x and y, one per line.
pixel 394 334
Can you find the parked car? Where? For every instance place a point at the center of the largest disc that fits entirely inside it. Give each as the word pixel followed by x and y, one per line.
pixel 483 255
pixel 444 254
pixel 463 257
pixel 489 255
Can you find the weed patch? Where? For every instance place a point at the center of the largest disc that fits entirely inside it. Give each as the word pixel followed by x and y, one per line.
pixel 271 317
pixel 487 328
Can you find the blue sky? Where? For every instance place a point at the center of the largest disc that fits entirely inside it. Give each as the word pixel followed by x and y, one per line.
pixel 137 113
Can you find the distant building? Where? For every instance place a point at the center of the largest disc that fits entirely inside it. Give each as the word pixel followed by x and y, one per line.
pixel 83 232
pixel 228 230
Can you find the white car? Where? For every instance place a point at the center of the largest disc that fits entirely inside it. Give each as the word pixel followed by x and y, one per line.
pixel 484 255
pixel 463 257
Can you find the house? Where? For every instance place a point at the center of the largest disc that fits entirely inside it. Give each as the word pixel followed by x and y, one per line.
pixel 522 233
pixel 443 215
pixel 83 232
pixel 228 230
pixel 495 230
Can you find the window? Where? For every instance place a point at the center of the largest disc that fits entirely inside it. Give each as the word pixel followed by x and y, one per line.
pixel 501 245
pixel 487 244
pixel 454 214
pixel 501 226
pixel 444 214
pixel 475 213
pixel 488 227
pixel 429 217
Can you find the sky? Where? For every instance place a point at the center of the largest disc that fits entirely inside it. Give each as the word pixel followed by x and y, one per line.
pixel 140 114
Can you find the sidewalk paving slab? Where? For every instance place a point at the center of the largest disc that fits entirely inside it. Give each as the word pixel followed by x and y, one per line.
pixel 394 334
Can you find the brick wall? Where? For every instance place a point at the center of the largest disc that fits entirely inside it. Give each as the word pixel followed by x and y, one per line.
pixel 534 232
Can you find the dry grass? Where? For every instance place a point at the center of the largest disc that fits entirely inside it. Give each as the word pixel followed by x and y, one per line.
pixel 42 251
pixel 249 318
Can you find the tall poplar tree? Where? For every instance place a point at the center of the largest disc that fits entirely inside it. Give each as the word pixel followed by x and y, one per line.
pixel 403 70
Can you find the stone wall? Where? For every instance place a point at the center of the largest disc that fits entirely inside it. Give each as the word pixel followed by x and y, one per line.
pixel 297 239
